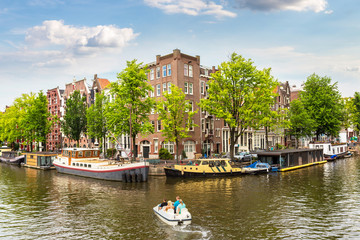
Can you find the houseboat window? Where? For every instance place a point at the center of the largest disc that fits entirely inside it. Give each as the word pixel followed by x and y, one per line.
pixel 77 164
pixel 80 154
pixel 211 164
pixel 44 161
pixel 217 163
pixel 87 153
pixel 89 165
pixel 85 165
pixel 197 162
pixel 223 163
pixel 66 153
pixel 73 154
pixel 31 156
pixel 97 153
pixel 329 148
pixel 81 164
pixel 73 164
pixel 205 163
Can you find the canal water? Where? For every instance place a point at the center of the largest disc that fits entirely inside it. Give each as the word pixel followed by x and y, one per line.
pixel 321 202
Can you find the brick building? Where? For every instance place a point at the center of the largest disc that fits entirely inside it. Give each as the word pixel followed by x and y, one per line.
pixel 183 71
pixel 55 101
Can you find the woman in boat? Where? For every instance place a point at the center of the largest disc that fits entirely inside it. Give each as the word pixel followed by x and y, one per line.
pixel 180 206
pixel 169 206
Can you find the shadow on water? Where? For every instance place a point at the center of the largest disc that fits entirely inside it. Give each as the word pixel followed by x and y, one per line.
pixel 321 202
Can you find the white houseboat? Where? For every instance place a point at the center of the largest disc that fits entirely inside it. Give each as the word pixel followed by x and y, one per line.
pixel 331 151
pixel 86 162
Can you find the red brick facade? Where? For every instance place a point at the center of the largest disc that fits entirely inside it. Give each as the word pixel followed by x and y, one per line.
pixel 54 139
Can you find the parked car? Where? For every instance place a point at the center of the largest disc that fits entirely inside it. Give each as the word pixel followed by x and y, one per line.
pixel 243 157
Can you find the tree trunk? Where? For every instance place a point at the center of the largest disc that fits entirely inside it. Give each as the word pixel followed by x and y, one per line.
pixel 177 151
pixel 133 148
pixel 232 143
pixel 296 143
pixel 267 139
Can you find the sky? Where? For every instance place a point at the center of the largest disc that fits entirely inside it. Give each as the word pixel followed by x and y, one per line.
pixel 45 44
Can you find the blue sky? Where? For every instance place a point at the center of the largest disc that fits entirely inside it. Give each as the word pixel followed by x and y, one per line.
pixel 46 43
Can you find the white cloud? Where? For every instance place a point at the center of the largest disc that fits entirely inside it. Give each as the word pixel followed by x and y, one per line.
pixel 291 5
pixel 84 40
pixel 191 7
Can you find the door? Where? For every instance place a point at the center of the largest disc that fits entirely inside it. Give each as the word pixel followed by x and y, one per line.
pixel 146 150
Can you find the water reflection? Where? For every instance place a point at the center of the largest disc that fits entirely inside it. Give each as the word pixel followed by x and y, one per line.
pixel 313 203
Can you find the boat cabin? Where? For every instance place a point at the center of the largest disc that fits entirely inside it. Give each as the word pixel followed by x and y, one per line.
pixel 80 153
pixel 283 160
pixel 43 160
pixel 4 149
pixel 330 149
pixel 9 154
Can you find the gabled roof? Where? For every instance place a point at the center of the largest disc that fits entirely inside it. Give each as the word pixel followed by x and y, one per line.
pixel 103 82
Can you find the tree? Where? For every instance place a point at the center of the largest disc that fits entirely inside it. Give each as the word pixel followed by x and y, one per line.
pixel 347 110
pixel 176 115
pixel 96 120
pixel 301 125
pixel 238 93
pixel 321 100
pixel 74 123
pixel 356 111
pixel 129 112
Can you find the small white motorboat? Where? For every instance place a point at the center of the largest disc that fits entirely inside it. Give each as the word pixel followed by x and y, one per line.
pixel 171 218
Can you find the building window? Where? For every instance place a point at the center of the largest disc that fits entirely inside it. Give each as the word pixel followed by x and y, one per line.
pixel 186 69
pixel 189 146
pixel 202 87
pixel 191 106
pixel 153 124
pixel 169 69
pixel 169 146
pixel 158 125
pixel 152 94
pixel 191 125
pixel 186 88
pixel 158 90
pixel 164 87
pixel 152 74
pixel 164 71
pixel 203 125
pixel 156 145
pixel 190 88
pixel 169 87
pixel 158 72
pixel 190 71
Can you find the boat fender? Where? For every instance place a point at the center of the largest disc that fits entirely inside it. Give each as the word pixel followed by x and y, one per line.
pixel 204 172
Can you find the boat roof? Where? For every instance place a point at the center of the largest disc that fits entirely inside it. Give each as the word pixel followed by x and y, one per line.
pixel 41 153
pixel 287 151
pixel 80 149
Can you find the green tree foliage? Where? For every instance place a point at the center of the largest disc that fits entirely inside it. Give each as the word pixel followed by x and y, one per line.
pixel 74 123
pixel 356 111
pixel 128 112
pixel 322 101
pixel 27 120
pixel 96 120
pixel 164 154
pixel 176 116
pixel 301 125
pixel 347 110
pixel 239 93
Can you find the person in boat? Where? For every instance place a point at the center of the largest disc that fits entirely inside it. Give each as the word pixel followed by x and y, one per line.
pixel 180 206
pixel 163 204
pixel 176 203
pixel 169 206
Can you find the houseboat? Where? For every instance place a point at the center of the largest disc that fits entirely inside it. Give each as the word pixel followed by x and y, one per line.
pixel 291 159
pixel 204 168
pixel 331 151
pixel 87 163
pixel 12 157
pixel 40 160
pixel 4 149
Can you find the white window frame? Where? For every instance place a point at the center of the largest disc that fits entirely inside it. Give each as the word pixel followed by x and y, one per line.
pixel 152 74
pixel 186 87
pixel 169 69
pixel 157 72
pixel 190 71
pixel 164 71
pixel 202 87
pixel 186 69
pixel 152 93
pixel 158 125
pixel 169 146
pixel 156 145
pixel 164 87
pixel 158 90
pixel 189 146
pixel 169 87
pixel 191 85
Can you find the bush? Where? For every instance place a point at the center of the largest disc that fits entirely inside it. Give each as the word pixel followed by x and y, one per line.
pixel 110 152
pixel 164 154
pixel 279 146
pixel 183 154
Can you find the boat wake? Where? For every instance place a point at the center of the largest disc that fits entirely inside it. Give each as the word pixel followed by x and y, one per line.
pixel 193 231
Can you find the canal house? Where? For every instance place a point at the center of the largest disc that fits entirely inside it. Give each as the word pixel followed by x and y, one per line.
pixel 290 159
pixel 40 160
